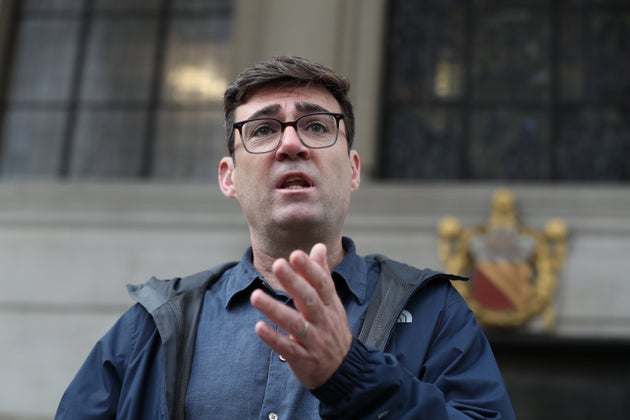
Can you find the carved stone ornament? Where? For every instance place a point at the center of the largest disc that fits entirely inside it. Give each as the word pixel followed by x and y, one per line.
pixel 513 268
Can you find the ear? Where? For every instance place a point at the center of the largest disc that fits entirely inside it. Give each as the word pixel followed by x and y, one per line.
pixel 355 166
pixel 226 177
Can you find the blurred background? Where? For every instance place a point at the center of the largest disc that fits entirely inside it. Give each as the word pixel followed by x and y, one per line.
pixel 111 129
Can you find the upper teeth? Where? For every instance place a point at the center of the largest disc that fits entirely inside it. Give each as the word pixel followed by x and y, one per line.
pixel 294 182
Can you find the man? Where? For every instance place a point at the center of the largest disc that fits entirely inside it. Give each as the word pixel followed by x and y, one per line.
pixel 276 336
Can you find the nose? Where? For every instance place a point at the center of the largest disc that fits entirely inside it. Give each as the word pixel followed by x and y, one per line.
pixel 291 147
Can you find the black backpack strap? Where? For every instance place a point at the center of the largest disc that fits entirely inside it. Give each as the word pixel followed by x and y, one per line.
pixel 387 302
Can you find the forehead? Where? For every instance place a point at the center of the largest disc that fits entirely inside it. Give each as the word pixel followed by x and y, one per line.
pixel 287 101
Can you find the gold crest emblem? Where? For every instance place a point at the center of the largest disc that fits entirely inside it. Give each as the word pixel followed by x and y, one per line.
pixel 513 268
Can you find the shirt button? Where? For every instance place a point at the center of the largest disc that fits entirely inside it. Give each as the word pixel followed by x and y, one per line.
pixel 281 357
pixel 273 416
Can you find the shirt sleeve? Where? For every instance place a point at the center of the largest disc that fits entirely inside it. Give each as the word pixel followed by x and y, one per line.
pixel 458 377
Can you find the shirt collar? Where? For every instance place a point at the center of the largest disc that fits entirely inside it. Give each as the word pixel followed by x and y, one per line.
pixel 243 278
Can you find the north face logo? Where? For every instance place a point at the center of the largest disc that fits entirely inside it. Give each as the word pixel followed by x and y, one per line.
pixel 405 317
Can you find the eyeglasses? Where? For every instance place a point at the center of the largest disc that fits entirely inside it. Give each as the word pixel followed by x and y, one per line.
pixel 263 135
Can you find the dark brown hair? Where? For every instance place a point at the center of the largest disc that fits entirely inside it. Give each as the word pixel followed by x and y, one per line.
pixel 284 71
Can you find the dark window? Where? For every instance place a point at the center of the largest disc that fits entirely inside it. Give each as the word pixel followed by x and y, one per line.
pixel 114 89
pixel 532 90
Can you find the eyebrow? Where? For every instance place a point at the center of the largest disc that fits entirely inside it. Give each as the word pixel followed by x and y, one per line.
pixel 273 109
pixel 267 111
pixel 308 107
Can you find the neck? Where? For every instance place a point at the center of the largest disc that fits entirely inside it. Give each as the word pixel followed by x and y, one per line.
pixel 265 252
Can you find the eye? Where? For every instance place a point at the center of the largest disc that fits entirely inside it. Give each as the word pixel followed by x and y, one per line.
pixel 316 125
pixel 261 129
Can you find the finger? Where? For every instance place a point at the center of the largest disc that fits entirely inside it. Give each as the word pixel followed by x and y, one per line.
pixel 302 334
pixel 297 285
pixel 285 317
pixel 315 270
pixel 278 342
pixel 319 254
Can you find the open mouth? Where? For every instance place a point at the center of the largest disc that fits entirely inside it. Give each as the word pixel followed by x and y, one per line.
pixel 294 182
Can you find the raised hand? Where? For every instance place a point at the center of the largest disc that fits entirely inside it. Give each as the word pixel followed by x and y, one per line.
pixel 319 337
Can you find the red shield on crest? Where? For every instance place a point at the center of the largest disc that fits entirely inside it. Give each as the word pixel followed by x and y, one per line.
pixel 502 285
pixel 503 277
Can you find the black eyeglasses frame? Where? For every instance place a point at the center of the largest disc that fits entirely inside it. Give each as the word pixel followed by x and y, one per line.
pixel 284 124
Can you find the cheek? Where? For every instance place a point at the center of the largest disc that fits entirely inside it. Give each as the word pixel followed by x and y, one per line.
pixel 340 180
pixel 344 171
pixel 248 181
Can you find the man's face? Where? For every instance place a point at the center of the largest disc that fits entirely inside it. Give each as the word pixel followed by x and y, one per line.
pixel 293 188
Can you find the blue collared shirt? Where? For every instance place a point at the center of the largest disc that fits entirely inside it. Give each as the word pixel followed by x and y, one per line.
pixel 234 373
